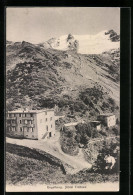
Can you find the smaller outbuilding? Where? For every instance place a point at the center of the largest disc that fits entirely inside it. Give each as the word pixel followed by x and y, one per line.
pixel 107 119
pixel 96 125
pixel 72 125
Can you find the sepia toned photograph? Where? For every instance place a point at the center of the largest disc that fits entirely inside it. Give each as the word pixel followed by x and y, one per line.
pixel 62 124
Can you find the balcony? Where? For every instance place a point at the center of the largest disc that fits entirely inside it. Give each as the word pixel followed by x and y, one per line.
pixel 7 124
pixel 31 125
pixel 27 118
pixel 13 124
pixel 11 118
pixel 28 125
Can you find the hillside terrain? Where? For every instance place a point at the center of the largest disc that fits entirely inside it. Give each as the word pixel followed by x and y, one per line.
pixel 25 166
pixel 78 76
pixel 82 85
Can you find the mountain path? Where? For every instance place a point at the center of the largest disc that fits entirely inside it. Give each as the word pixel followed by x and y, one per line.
pixel 52 147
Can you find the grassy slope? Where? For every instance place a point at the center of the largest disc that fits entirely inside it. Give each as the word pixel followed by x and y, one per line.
pixel 45 77
pixel 29 166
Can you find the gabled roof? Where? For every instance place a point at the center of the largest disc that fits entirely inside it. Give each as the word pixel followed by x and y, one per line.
pixel 107 114
pixel 30 111
pixel 70 124
pixel 96 122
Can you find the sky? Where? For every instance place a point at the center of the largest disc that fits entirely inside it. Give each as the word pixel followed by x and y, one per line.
pixel 38 24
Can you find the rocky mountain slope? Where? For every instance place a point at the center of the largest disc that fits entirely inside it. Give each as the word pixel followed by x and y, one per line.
pixel 78 84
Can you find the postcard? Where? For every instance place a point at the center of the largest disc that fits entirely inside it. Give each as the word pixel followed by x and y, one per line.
pixel 62 99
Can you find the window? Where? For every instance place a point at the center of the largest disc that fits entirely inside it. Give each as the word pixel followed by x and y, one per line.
pixel 19 115
pixel 32 130
pixel 51 118
pixel 47 127
pixel 13 121
pixel 21 129
pixel 29 122
pixel 31 115
pixel 46 119
pixel 13 129
pixel 20 122
pixel 24 115
pixel 8 122
pixel 27 129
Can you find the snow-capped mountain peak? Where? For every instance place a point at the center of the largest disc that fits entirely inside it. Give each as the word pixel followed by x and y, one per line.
pixel 86 44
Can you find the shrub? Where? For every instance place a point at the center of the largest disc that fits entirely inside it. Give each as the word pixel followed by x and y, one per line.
pixel 117 121
pixel 105 105
pixel 111 101
pixel 104 133
pixel 47 103
pixel 95 133
pixel 100 164
pixel 70 134
pixel 116 131
pixel 67 65
pixel 112 69
pixel 85 132
pixel 69 146
pixel 84 140
pixel 78 106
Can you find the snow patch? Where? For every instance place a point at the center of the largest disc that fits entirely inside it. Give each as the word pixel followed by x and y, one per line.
pixel 88 44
